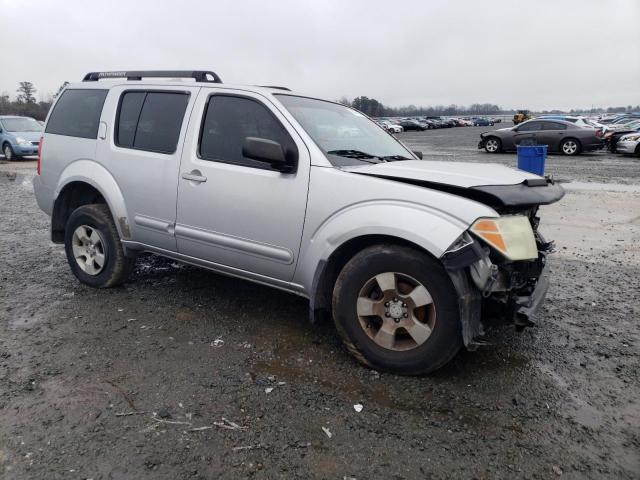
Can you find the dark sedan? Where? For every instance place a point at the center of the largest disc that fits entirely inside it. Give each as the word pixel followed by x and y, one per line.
pixel 412 125
pixel 560 136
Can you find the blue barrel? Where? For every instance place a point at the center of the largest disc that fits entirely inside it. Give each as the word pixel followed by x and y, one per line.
pixel 531 158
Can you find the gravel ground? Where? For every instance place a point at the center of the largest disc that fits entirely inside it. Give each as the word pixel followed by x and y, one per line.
pixel 185 374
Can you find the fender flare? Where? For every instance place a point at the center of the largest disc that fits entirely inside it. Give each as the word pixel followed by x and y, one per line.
pixel 94 174
pixel 428 228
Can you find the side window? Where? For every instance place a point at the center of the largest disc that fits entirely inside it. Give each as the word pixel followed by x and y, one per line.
pixel 530 127
pixel 77 113
pixel 228 120
pixel 553 126
pixel 150 121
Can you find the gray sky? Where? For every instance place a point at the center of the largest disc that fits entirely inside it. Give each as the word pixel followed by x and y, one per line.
pixel 536 54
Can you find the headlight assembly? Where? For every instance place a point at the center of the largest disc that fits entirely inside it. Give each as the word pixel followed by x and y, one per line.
pixel 511 235
pixel 21 141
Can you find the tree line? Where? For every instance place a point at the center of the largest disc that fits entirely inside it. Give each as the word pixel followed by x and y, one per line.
pixel 374 108
pixel 25 104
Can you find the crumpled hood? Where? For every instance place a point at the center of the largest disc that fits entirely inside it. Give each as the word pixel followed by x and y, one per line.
pixel 456 174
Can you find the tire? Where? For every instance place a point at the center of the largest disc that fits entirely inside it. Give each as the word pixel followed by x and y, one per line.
pixel 637 152
pixel 96 258
pixel 8 152
pixel 493 145
pixel 423 351
pixel 570 147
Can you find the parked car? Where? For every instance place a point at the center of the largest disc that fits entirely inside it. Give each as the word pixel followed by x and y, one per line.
pixel 19 136
pixel 630 144
pixel 390 127
pixel 612 137
pixel 559 135
pixel 482 122
pixel 412 125
pixel 258 183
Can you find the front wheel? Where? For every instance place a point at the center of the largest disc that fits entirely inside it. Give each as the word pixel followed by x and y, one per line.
pixel 396 310
pixel 570 147
pixel 492 145
pixel 93 247
pixel 8 152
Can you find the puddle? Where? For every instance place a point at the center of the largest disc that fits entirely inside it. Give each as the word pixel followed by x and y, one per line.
pixel 15 179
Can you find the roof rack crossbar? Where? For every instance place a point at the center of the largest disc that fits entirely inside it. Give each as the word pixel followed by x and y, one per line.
pixel 197 75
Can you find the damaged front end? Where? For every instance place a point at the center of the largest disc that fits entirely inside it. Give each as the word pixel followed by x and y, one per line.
pixel 494 283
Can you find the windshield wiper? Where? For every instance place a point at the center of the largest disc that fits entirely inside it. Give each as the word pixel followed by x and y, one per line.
pixel 357 154
pixel 394 158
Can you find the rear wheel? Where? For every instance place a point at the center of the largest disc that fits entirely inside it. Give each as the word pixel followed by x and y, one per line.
pixel 396 310
pixel 492 145
pixel 93 247
pixel 570 146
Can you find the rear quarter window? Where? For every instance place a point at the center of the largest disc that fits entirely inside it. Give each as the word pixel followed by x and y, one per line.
pixel 150 120
pixel 77 113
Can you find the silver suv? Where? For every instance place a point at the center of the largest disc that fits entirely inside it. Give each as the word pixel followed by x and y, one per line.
pixel 297 193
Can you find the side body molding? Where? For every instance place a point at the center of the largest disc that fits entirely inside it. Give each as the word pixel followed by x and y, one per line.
pixel 94 174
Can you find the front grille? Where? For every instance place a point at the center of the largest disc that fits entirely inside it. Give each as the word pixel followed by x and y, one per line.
pixel 35 143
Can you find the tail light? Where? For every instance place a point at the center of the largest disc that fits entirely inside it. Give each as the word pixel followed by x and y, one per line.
pixel 40 153
pixel 599 132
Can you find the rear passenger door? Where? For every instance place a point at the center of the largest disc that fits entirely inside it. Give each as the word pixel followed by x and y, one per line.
pixel 551 134
pixel 140 142
pixel 235 212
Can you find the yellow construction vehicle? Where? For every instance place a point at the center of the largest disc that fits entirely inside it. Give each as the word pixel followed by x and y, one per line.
pixel 521 116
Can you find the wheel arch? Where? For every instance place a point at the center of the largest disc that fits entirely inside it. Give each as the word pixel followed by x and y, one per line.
pixel 77 188
pixel 328 269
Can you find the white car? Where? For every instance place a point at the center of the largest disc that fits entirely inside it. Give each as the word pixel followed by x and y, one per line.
pixel 629 144
pixel 391 127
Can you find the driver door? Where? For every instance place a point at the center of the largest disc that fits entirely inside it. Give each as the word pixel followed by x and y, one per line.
pixel 527 133
pixel 235 212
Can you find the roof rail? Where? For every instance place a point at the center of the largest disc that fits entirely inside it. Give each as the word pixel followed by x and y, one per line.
pixel 274 86
pixel 197 75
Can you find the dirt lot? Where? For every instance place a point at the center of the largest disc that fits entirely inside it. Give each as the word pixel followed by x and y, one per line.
pixel 185 374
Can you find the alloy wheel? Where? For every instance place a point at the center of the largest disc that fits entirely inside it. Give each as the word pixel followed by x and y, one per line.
pixel 492 145
pixel 88 249
pixel 569 147
pixel 8 153
pixel 396 311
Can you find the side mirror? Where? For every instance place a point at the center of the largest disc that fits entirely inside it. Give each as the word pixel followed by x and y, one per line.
pixel 417 154
pixel 268 151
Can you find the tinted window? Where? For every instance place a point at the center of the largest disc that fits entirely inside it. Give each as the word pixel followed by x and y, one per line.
pixel 229 120
pixel 530 127
pixel 151 120
pixel 554 126
pixel 130 108
pixel 77 113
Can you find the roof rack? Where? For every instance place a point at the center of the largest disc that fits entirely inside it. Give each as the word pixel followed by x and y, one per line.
pixel 197 75
pixel 274 86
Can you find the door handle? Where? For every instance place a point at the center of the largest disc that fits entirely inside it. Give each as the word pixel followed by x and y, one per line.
pixel 194 176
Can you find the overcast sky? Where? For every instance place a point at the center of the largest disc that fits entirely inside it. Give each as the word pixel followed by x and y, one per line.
pixel 522 54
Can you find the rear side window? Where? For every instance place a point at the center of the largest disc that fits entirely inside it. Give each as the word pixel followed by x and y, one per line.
pixel 228 120
pixel 77 113
pixel 554 126
pixel 150 121
pixel 530 127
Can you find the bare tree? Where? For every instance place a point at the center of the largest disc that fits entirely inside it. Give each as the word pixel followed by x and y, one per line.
pixel 25 92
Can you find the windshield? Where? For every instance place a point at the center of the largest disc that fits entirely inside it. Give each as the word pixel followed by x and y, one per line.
pixel 21 125
pixel 345 135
